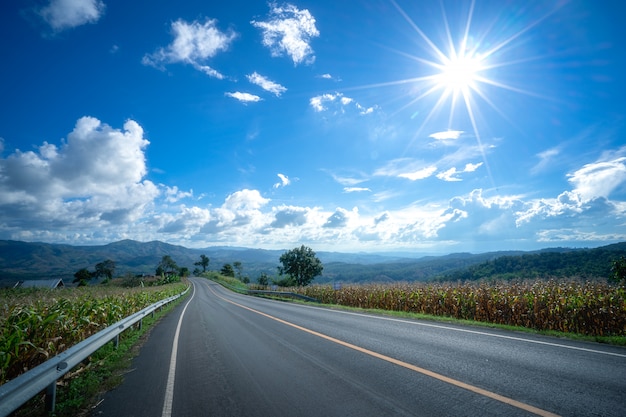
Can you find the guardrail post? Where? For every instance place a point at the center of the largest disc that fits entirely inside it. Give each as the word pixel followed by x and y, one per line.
pixel 116 341
pixel 140 324
pixel 51 397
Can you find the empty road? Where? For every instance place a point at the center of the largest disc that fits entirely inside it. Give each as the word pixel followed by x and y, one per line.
pixel 225 354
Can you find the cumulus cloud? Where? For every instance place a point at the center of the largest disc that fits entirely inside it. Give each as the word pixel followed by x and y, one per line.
pixel 194 44
pixel 289 30
pixel 338 219
pixel 187 222
pixel 241 209
pixel 93 178
pixel 338 102
pixel 266 84
pixel 289 216
pixel 67 14
pixel 244 97
pixel 173 194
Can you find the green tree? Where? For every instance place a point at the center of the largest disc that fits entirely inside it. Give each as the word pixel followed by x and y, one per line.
pixel 105 269
pixel 263 279
pixel 203 262
pixel 82 276
pixel 301 264
pixel 618 270
pixel 239 268
pixel 184 271
pixel 167 266
pixel 228 271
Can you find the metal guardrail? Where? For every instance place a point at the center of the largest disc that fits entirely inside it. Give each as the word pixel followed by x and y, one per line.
pixel 264 292
pixel 17 391
pixel 284 294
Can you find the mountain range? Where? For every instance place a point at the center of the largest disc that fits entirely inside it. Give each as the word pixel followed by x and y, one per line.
pixel 32 260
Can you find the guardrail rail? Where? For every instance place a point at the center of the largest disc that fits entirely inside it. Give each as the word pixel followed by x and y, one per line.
pixel 17 391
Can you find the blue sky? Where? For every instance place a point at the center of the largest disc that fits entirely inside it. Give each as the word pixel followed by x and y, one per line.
pixel 419 126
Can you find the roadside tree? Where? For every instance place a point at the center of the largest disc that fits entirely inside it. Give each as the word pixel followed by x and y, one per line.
pixel 228 271
pixel 167 266
pixel 203 262
pixel 301 265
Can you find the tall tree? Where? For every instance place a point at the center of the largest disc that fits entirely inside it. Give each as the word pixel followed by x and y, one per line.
pixel 239 268
pixel 82 276
pixel 301 264
pixel 203 262
pixel 167 266
pixel 105 269
pixel 618 270
pixel 227 270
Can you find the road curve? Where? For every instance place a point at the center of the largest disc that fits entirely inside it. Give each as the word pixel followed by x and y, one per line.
pixel 225 354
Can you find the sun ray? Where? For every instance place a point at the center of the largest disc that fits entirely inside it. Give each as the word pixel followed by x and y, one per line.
pixel 461 70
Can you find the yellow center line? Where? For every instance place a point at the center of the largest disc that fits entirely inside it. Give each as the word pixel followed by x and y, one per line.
pixel 443 378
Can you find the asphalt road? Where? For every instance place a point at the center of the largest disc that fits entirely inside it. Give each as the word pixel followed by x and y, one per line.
pixel 237 355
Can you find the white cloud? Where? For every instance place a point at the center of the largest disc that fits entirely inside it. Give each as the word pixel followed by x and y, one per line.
pixel 420 174
pixel 173 194
pixel 67 14
pixel 340 103
pixel 95 178
pixel 284 181
pixel 289 30
pixel 194 43
pixel 599 179
pixel 446 135
pixel 451 174
pixel 317 101
pixel 285 216
pixel 211 72
pixel 355 189
pixel 266 84
pixel 448 175
pixel 545 159
pixel 244 97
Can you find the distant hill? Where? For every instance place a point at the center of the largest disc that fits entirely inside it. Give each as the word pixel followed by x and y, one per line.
pixel 26 260
pixel 556 263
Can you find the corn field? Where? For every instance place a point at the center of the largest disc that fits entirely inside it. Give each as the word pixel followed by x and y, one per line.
pixel 37 324
pixel 589 308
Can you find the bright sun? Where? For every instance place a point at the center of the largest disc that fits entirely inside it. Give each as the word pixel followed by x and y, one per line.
pixel 459 74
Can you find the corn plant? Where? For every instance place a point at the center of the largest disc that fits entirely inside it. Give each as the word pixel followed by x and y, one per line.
pixel 590 308
pixel 38 324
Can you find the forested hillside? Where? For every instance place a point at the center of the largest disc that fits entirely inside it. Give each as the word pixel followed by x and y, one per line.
pixel 25 260
pixel 582 263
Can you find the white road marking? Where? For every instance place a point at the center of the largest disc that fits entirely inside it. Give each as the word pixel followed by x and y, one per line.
pixel 439 326
pixel 440 377
pixel 169 388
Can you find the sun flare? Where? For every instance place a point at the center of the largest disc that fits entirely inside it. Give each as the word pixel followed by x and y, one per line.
pixel 459 74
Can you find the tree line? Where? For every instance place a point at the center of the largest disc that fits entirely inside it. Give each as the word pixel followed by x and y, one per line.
pixel 299 267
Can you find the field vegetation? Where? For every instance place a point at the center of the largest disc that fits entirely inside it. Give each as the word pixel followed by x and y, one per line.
pixel 590 308
pixel 36 324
